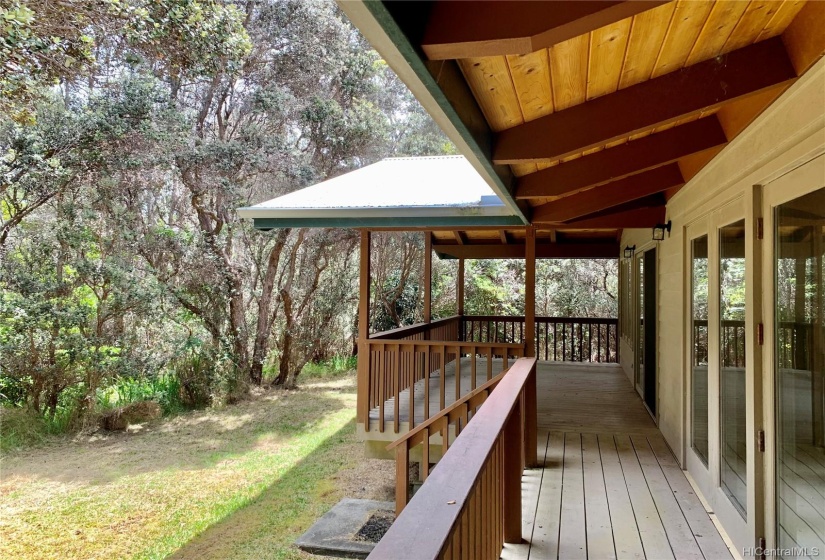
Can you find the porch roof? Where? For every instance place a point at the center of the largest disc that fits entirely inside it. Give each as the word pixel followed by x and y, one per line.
pixel 594 112
pixel 408 191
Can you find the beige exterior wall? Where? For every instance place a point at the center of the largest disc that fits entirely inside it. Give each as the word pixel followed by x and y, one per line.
pixel 789 133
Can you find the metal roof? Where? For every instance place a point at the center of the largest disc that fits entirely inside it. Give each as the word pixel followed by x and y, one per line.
pixel 433 190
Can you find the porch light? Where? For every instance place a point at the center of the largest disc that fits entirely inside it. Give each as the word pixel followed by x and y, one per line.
pixel 659 231
pixel 628 251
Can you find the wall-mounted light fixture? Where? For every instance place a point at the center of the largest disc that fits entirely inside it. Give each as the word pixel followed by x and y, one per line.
pixel 659 231
pixel 628 251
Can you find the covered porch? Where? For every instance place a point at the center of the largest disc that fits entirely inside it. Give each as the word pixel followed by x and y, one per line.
pixel 603 482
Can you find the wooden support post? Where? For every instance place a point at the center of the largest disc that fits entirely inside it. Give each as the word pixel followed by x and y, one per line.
pixel 402 470
pixel 428 276
pixel 531 421
pixel 459 290
pixel 362 406
pixel 511 477
pixel 530 293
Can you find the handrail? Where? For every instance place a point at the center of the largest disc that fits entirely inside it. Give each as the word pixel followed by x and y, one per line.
pixel 488 386
pixel 471 504
pixel 542 318
pixel 416 328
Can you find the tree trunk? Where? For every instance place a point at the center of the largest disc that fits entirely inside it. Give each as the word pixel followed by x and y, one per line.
pixel 263 328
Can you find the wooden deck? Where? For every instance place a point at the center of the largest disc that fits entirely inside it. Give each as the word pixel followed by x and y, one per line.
pixel 610 486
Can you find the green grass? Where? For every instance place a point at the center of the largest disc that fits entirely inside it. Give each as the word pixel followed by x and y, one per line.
pixel 330 368
pixel 242 482
pixel 21 428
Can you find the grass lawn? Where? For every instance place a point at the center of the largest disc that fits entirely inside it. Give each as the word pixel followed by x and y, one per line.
pixel 241 482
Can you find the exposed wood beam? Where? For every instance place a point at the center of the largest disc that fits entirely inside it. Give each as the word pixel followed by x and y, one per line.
pixel 612 194
pixel 656 102
pixel 459 237
pixel 805 36
pixel 543 251
pixel 628 159
pixel 504 237
pixel 553 238
pixel 493 28
pixel 624 219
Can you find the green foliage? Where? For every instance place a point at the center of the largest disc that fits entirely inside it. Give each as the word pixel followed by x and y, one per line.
pixel 165 389
pixel 43 44
pixel 125 271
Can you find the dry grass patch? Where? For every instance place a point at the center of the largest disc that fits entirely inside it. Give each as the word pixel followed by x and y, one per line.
pixel 250 477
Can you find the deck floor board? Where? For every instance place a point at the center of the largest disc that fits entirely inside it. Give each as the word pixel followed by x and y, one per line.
pixel 609 486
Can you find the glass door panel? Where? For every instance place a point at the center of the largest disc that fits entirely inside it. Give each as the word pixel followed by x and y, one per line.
pixel 699 348
pixel 732 393
pixel 640 323
pixel 799 362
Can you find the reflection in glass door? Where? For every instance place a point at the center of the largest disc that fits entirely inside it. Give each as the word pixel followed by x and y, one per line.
pixel 799 363
pixel 732 397
pixel 699 348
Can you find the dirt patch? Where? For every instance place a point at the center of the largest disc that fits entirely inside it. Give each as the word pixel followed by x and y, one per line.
pixel 367 479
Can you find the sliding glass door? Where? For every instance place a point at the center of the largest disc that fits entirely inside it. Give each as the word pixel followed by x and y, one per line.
pixel 799 357
pixel 732 342
pixel 794 360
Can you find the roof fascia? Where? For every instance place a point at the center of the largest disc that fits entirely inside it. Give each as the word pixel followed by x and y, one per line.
pixel 382 31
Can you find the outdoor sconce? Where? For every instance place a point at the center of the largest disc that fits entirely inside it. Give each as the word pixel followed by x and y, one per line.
pixel 659 231
pixel 628 251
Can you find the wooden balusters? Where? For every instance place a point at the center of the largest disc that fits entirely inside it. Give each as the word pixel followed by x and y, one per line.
pixel 471 501
pixel 400 380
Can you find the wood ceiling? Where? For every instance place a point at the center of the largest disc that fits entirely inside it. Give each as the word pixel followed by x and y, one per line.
pixel 598 112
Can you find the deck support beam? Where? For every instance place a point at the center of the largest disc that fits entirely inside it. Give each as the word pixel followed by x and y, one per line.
pixel 362 405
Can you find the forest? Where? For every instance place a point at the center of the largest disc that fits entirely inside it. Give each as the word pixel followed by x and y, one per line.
pixel 131 131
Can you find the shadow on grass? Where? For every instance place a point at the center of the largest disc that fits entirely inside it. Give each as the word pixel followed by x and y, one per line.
pixel 191 441
pixel 268 525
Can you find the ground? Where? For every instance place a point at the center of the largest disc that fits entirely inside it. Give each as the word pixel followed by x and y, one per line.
pixel 240 482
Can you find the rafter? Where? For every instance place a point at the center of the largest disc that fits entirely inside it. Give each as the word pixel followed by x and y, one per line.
pixel 459 237
pixel 624 219
pixel 607 250
pixel 622 161
pixel 493 28
pixel 656 102
pixel 612 194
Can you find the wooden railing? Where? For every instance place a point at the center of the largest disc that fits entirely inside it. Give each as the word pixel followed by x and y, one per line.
pixel 405 374
pixel 440 329
pixel 569 339
pixel 794 344
pixel 470 504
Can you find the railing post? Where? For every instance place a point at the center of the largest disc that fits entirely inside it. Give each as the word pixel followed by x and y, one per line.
pixel 511 477
pixel 363 386
pixel 428 275
pixel 402 473
pixel 531 420
pixel 529 338
pixel 460 288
